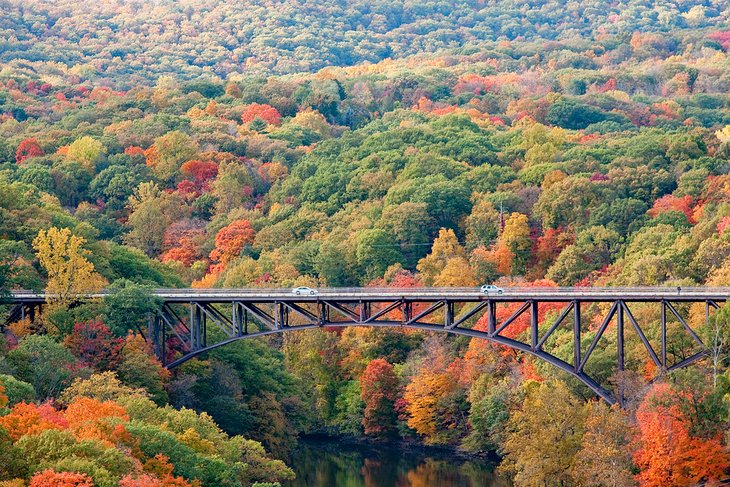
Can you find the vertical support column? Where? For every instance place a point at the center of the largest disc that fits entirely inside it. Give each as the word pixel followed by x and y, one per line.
pixel 281 319
pixel 576 335
pixel 245 321
pixel 407 311
pixel 193 326
pixel 448 314
pixel 196 328
pixel 620 343
pixel 491 317
pixel 620 334
pixel 664 335
pixel 204 328
pixel 238 318
pixel 534 320
pixel 322 313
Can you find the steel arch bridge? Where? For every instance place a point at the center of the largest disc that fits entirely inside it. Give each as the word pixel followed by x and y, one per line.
pixel 191 322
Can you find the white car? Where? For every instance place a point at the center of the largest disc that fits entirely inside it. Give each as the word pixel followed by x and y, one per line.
pixel 304 290
pixel 491 289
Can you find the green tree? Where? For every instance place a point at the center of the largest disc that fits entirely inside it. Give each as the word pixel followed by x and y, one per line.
pixel 128 306
pixel 44 363
pixel 376 251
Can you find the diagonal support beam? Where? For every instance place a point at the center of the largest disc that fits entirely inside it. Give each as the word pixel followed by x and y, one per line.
pixel 469 314
pixel 598 336
pixel 220 321
pixel 555 325
pixel 184 340
pixel 266 319
pixel 431 309
pixel 391 307
pixel 684 324
pixel 301 311
pixel 642 336
pixel 689 360
pixel 513 317
pixel 347 313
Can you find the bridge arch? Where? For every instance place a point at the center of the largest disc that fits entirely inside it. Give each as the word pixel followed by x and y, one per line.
pixel 505 341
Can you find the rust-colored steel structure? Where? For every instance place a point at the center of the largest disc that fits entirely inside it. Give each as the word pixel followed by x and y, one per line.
pixel 191 322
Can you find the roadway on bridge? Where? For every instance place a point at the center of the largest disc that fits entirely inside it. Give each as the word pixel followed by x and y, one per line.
pixel 426 294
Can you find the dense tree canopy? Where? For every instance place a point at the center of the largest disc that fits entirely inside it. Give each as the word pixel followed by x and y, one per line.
pixel 361 143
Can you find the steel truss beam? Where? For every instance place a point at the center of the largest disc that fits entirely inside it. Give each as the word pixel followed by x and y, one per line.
pixel 177 339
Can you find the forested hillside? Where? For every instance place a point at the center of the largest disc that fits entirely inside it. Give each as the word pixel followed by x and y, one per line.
pixel 278 144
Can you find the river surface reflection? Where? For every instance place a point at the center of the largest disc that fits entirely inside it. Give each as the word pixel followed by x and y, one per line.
pixel 322 463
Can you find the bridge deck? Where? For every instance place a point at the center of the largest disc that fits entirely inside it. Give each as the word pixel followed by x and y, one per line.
pixel 555 294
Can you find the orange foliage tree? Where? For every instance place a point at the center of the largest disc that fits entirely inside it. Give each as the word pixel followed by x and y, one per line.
pixel 89 418
pixel 3 397
pixel 230 241
pixel 182 242
pixel 667 454
pixel 198 175
pixel 431 398
pixel 94 344
pixel 27 418
pixel 50 478
pixel 263 111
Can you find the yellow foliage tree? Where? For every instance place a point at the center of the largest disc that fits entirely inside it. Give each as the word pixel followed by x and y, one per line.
pixel 85 150
pixel 516 238
pixel 63 257
pixel 456 273
pixel 445 247
pixel 544 435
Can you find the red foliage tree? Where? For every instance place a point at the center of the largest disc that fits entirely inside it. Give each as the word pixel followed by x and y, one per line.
pixel 721 37
pixel 231 240
pixel 723 224
pixel 27 149
pixel 667 455
pixel 673 203
pixel 549 246
pixel 379 391
pixel 263 111
pixel 199 173
pixel 50 478
pixel 94 345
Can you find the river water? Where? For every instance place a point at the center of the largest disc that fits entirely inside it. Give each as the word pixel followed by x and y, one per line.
pixel 323 463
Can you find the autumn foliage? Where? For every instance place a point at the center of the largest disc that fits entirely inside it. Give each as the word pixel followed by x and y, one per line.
pixel 49 478
pixel 263 111
pixel 231 240
pixel 27 149
pixel 667 454
pixel 379 391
